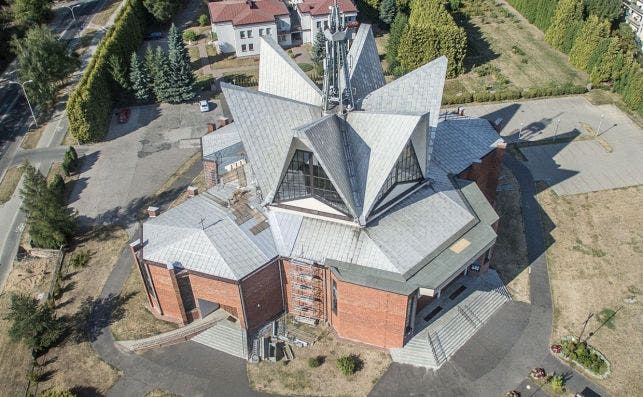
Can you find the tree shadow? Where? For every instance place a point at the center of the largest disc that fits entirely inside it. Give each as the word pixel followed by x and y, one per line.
pixel 140 116
pixel 478 48
pixel 85 391
pixel 94 315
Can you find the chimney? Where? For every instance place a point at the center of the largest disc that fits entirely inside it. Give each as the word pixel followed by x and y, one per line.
pixel 211 127
pixel 192 191
pixel 152 212
pixel 223 121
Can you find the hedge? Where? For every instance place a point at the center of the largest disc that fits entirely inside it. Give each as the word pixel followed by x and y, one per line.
pixel 90 104
pixel 513 94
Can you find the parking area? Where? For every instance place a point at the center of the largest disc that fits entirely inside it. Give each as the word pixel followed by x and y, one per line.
pixel 600 147
pixel 136 158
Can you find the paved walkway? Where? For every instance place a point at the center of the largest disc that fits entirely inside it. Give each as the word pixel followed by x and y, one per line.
pixel 498 358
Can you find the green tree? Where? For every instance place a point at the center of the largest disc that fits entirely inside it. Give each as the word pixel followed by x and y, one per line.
pixel 605 9
pixel 565 24
pixel 151 63
pixel 30 12
pixel 118 72
pixel 397 31
pixel 163 76
pixel 162 10
pixel 56 393
pixel 33 324
pixel 73 153
pixel 388 9
pixel 318 50
pixel 593 32
pixel 203 20
pixel 182 76
pixel 50 222
pixel 603 70
pixel 44 60
pixel 140 80
pixel 57 187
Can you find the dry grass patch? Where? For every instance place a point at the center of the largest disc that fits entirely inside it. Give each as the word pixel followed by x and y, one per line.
pixel 103 16
pixel 161 393
pixel 297 378
pixel 31 139
pixel 198 182
pixel 510 253
pixel 9 183
pixel 30 276
pixel 595 261
pixel 137 321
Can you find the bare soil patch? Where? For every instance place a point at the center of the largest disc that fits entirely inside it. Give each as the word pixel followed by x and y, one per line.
pixel 31 139
pixel 137 321
pixel 297 378
pixel 595 258
pixel 510 252
pixel 9 183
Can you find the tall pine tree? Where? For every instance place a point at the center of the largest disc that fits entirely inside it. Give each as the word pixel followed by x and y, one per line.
pixel 318 51
pixel 140 79
pixel 388 8
pixel 162 77
pixel 51 224
pixel 182 76
pixel 593 32
pixel 397 30
pixel 565 24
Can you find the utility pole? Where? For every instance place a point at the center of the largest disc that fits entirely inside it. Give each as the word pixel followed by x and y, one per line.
pixel 556 130
pixel 584 326
pixel 26 97
pixel 600 124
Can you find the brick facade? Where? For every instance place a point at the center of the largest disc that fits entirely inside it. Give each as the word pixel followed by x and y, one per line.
pixel 368 315
pixel 167 292
pixel 210 173
pixel 262 295
pixel 486 173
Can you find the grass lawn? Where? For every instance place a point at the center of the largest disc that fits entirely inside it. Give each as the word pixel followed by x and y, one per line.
pixel 103 16
pixel 9 183
pixel 137 321
pixel 510 252
pixel 297 378
pixel 30 276
pixel 31 139
pixel 595 259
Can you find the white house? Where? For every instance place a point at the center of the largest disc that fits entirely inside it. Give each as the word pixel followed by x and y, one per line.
pixel 634 17
pixel 239 24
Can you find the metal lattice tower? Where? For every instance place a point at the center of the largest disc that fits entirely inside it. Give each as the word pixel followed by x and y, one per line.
pixel 337 87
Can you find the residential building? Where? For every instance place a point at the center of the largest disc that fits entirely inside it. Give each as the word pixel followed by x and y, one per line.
pixel 239 24
pixel 634 18
pixel 355 205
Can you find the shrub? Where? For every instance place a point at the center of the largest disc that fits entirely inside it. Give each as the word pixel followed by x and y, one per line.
pixel 203 20
pixel 557 382
pixel 582 354
pixel 80 259
pixel 314 362
pixel 306 67
pixel 347 364
pixel 190 35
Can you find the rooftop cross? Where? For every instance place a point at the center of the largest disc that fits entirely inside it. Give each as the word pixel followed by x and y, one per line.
pixel 337 88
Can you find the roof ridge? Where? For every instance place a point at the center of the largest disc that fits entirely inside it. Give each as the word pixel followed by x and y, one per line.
pixel 235 87
pixel 280 51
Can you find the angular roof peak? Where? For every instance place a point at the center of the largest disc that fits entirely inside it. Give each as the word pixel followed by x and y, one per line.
pixel 366 73
pixel 280 75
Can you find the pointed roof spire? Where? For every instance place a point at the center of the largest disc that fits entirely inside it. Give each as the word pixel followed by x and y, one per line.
pixel 337 88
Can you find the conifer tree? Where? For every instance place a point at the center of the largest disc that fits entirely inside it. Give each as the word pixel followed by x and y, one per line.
pixel 57 187
pixel 163 76
pixel 594 30
pixel 51 224
pixel 565 24
pixel 118 71
pixel 151 63
pixel 388 8
pixel 34 324
pixel 397 30
pixel 182 77
pixel 318 51
pixel 140 79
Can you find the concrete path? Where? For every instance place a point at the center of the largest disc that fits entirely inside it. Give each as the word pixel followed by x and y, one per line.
pixel 515 340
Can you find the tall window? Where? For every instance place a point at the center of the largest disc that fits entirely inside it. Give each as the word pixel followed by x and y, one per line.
pixel 243 48
pixel 333 296
pixel 242 34
pixel 406 169
pixel 268 31
pixel 249 34
pixel 260 31
pixel 251 47
pixel 306 178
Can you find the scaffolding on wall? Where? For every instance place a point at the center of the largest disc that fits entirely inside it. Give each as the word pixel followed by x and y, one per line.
pixel 307 292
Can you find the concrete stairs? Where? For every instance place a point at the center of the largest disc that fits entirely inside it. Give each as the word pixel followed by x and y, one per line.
pixel 441 339
pixel 225 336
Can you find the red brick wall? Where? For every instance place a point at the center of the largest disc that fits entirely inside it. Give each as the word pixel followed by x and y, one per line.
pixel 167 293
pixel 210 173
pixel 368 315
pixel 262 295
pixel 486 173
pixel 288 275
pixel 223 292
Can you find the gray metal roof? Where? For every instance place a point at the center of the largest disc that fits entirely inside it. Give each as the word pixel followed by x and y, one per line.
pixel 265 123
pixel 220 139
pixel 200 235
pixel 280 75
pixel 366 73
pixel 419 91
pixel 461 141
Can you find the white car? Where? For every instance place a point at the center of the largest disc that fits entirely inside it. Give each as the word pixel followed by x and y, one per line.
pixel 204 106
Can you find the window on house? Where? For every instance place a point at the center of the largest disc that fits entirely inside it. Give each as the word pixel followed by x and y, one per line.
pixel 318 24
pixel 333 297
pixel 325 24
pixel 251 47
pixel 267 31
pixel 261 32
pixel 243 48
pixel 249 34
pixel 242 34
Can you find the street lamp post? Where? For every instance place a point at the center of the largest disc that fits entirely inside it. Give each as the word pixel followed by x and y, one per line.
pixel 71 8
pixel 600 124
pixel 27 98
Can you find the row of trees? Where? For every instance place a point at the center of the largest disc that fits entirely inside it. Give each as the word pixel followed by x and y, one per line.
pixel 584 31
pixel 541 12
pixel 427 33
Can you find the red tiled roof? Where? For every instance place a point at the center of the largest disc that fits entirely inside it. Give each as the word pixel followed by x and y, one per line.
pixel 240 12
pixel 320 7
